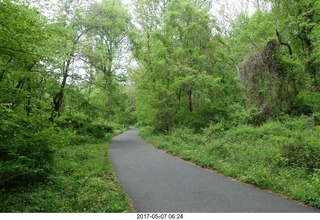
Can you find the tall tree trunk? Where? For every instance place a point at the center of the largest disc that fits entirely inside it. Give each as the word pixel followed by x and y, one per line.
pixel 109 84
pixel 109 93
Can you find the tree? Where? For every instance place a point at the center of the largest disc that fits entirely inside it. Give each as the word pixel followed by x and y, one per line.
pixel 297 24
pixel 71 29
pixel 27 141
pixel 178 72
pixel 109 24
pixel 24 46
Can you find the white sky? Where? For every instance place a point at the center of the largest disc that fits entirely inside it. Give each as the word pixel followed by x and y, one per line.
pixel 230 7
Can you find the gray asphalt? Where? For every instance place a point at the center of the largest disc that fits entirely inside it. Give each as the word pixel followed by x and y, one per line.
pixel 158 182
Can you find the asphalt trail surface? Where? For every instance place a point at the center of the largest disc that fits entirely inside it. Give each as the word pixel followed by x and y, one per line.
pixel 158 182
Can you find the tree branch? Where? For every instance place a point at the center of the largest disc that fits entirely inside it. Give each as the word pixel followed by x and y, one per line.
pixel 284 43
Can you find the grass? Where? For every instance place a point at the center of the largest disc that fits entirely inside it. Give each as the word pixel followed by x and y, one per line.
pixel 280 157
pixel 83 182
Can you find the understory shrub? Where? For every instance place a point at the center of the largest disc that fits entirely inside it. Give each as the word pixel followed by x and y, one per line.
pixel 306 103
pixel 86 130
pixel 278 144
pixel 27 147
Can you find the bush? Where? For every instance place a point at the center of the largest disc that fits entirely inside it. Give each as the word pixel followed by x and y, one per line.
pixel 85 130
pixel 27 147
pixel 316 118
pixel 92 130
pixel 306 103
pixel 72 120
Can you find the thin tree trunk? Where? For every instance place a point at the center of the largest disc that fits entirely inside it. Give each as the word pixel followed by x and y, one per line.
pixel 190 100
pixel 19 86
pixel 3 71
pixel 58 98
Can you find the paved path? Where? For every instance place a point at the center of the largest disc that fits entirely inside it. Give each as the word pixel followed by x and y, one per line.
pixel 157 182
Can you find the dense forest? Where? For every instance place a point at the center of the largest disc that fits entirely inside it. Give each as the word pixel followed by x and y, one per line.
pixel 230 85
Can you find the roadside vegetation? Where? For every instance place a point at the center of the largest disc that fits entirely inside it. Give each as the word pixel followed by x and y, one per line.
pixel 80 179
pixel 282 157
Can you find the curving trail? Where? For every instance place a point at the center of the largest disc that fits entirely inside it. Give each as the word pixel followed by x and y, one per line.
pixel 157 182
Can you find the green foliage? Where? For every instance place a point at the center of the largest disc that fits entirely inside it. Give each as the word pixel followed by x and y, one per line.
pixel 180 83
pixel 306 103
pixel 39 80
pixel 108 24
pixel 27 146
pixel 83 181
pixel 83 129
pixel 252 31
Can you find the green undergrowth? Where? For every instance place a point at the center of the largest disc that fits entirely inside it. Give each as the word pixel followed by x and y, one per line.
pixel 283 157
pixel 83 129
pixel 82 180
